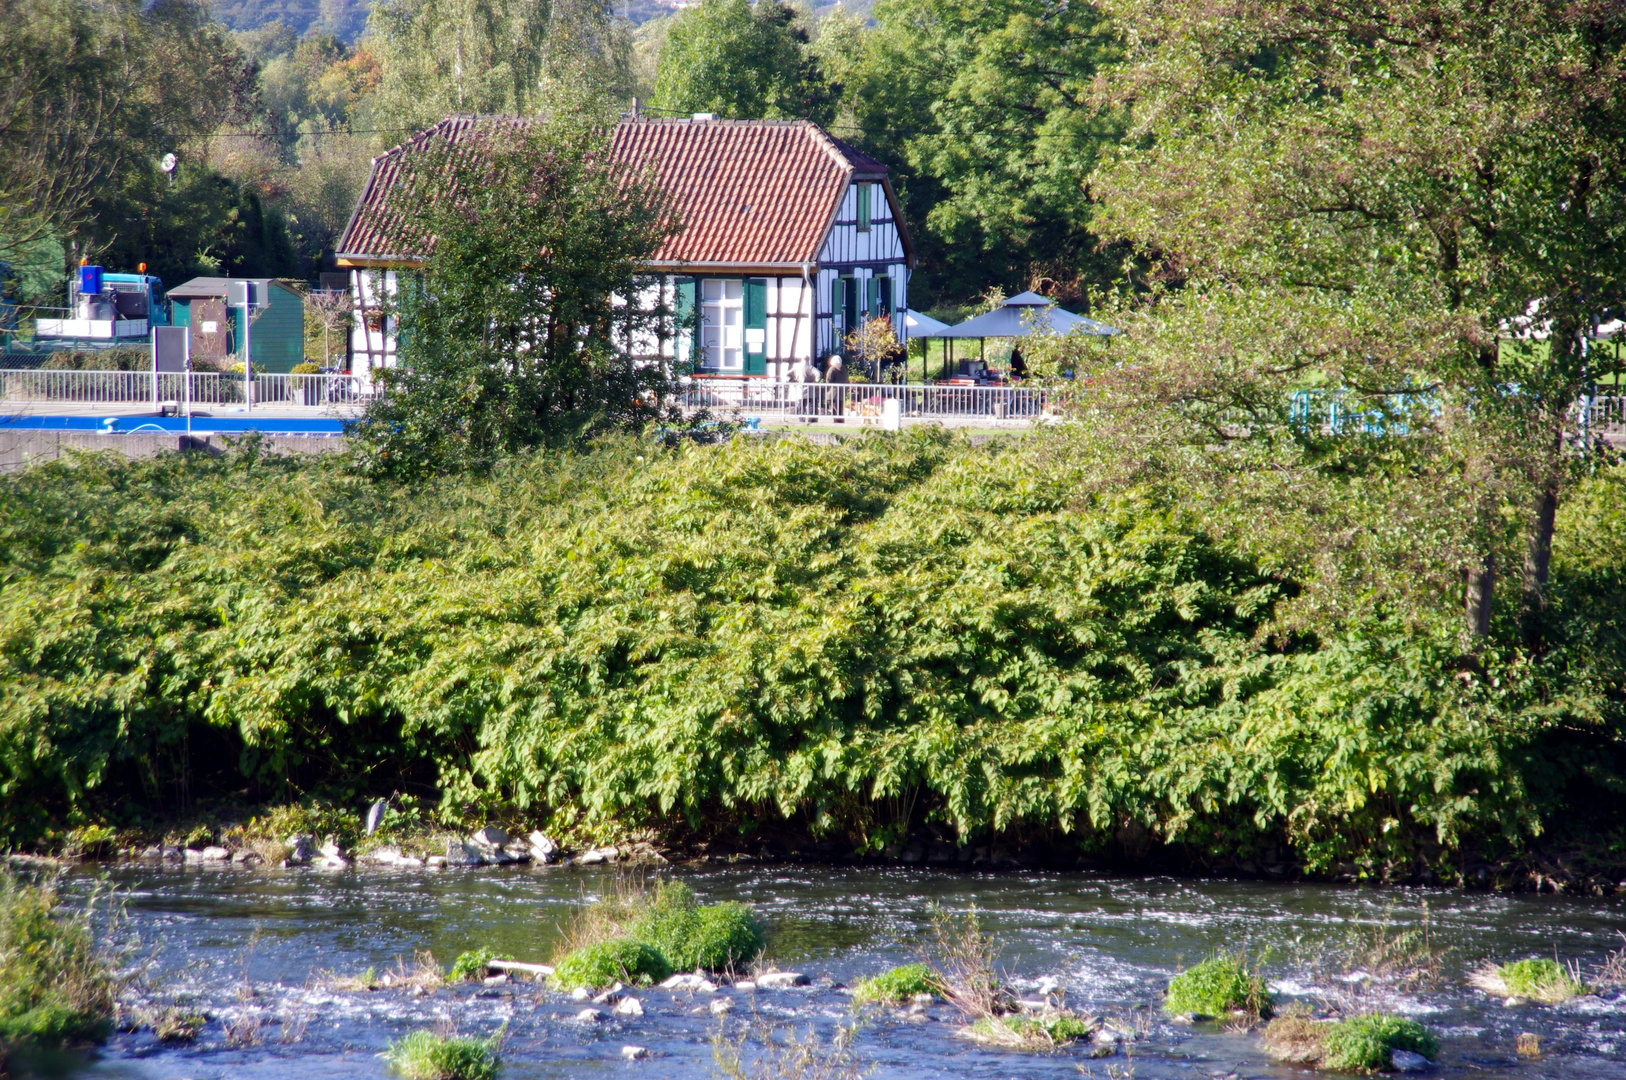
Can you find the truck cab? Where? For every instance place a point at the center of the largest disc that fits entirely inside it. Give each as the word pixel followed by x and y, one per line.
pixel 109 309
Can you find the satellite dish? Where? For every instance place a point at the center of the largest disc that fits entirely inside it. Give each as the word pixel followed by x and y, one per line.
pixel 167 163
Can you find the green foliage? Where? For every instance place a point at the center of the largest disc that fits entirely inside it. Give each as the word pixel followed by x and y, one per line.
pixel 118 358
pixel 1540 980
pixel 1363 1043
pixel 469 965
pixel 1042 1031
pixel 1004 126
pixel 496 58
pixel 307 367
pixel 715 937
pixel 741 61
pixel 1217 987
pixel 603 963
pixel 55 987
pixel 897 986
pixel 752 631
pixel 488 371
pixel 424 1055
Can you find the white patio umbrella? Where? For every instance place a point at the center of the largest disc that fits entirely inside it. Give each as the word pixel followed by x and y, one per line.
pixel 918 324
pixel 1024 314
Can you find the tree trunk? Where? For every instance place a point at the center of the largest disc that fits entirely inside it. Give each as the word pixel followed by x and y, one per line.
pixel 1481 591
pixel 1536 562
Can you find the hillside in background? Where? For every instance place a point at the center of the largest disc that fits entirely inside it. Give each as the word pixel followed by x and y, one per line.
pixel 344 19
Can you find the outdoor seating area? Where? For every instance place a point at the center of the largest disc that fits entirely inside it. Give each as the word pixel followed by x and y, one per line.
pixel 1022 316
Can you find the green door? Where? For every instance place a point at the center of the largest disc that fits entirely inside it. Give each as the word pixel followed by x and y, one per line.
pixel 756 326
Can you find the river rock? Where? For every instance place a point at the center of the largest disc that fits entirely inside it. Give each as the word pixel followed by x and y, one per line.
pixel 721 1006
pixel 581 993
pixel 690 982
pixel 460 854
pixel 589 1016
pixel 215 853
pixel 781 980
pixel 409 860
pixel 610 996
pixel 384 856
pixel 634 1053
pixel 599 855
pixel 543 849
pixel 173 854
pixel 1048 985
pixel 435 862
pixel 375 815
pixel 1407 1062
pixel 249 858
pixel 192 855
pixel 301 850
pixel 629 1007
pixel 490 837
pixel 152 854
pixel 745 984
pixel 330 848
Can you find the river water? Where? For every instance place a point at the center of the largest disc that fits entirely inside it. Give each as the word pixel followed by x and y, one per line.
pixel 248 949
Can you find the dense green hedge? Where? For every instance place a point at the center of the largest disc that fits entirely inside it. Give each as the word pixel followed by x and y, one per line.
pixel 859 638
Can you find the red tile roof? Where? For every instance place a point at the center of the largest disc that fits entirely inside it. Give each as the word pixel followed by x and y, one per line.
pixel 749 193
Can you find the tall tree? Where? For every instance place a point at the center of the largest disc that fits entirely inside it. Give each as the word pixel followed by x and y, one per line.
pixel 1362 200
pixel 93 96
pixel 989 110
pixel 743 62
pixel 446 57
pixel 512 336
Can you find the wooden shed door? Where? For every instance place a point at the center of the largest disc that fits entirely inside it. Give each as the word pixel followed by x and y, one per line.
pixel 211 330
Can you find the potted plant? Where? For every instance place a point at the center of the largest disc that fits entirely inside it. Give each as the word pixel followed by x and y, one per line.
pixel 308 390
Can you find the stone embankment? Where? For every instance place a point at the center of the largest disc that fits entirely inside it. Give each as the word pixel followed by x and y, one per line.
pixel 489 846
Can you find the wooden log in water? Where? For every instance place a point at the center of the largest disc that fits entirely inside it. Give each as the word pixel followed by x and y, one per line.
pixel 540 971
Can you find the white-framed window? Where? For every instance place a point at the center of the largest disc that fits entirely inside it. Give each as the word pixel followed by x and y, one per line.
pixel 722 322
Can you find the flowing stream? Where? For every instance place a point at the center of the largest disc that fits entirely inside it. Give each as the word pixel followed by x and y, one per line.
pixel 250 948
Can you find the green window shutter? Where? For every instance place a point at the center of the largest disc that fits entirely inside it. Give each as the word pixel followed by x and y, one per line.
pixel 686 320
pixel 863 207
pixel 756 326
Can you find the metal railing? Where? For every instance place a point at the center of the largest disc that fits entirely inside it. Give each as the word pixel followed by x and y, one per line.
pixel 1604 415
pixel 863 401
pixel 202 389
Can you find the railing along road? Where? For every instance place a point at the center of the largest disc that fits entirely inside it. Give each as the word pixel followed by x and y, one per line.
pixel 863 401
pixel 200 389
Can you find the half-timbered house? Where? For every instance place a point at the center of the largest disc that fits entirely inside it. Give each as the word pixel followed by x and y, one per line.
pixel 789 237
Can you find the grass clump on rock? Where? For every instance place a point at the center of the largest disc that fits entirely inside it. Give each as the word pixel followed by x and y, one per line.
pixel 1546 981
pixel 1363 1043
pixel 472 964
pixel 424 1055
pixel 897 986
pixel 1040 1031
pixel 603 963
pixel 716 937
pixel 1217 987
pixel 56 988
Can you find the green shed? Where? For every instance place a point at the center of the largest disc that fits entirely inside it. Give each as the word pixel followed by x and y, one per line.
pixel 216 331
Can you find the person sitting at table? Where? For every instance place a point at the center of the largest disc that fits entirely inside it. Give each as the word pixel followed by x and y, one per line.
pixel 835 371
